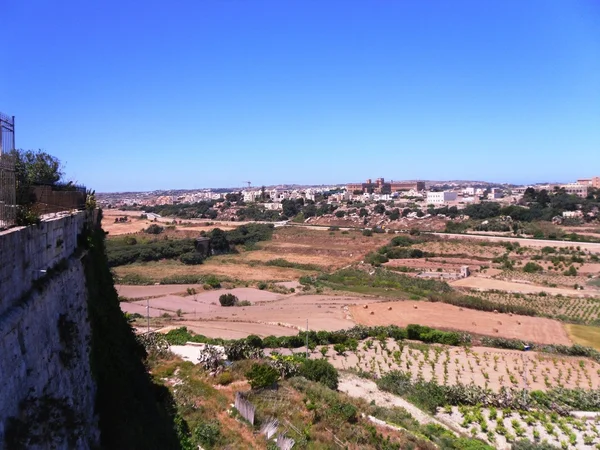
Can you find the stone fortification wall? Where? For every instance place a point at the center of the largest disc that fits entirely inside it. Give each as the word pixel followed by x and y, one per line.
pixel 47 390
pixel 25 252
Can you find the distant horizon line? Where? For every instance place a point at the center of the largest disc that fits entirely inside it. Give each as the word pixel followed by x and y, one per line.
pixel 271 186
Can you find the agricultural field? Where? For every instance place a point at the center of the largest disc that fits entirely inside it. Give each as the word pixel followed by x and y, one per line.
pixel 135 224
pixel 500 427
pixel 289 255
pixel 444 316
pixel 447 365
pixel 225 267
pixel 575 309
pixel 584 335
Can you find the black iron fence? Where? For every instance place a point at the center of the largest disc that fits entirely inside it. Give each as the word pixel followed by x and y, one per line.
pixel 8 209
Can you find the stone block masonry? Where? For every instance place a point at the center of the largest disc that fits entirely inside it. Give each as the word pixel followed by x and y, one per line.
pixel 47 391
pixel 25 252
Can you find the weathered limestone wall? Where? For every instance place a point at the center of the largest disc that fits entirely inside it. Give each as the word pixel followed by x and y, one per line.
pixel 47 391
pixel 26 251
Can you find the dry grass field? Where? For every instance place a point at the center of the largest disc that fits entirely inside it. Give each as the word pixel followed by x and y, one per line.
pixel 135 224
pixel 307 251
pixel 444 316
pixel 584 335
pixel 332 249
pixel 218 265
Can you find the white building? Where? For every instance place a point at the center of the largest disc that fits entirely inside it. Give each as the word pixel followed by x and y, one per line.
pixel 495 193
pixel 439 198
pixel 251 196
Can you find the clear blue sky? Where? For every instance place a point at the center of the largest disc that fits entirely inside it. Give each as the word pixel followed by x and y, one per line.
pixel 209 93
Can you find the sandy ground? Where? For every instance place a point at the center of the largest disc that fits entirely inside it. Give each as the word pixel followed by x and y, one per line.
pixel 153 291
pixel 484 284
pixel 237 330
pixel 190 352
pixel 368 390
pixel 440 315
pixel 270 314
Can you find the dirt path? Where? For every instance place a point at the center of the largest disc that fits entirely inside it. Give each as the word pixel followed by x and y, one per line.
pixel 368 390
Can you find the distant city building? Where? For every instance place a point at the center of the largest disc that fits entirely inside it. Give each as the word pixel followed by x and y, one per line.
pixel 495 193
pixel 440 198
pixel 382 187
pixel 572 214
pixel 592 182
pixel 580 190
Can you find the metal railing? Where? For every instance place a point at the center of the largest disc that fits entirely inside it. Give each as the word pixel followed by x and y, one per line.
pixel 8 209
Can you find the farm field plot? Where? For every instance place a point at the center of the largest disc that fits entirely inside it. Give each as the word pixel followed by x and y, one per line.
pixel 550 279
pixel 577 309
pixel 484 284
pixel 287 313
pixel 465 247
pixel 486 367
pixel 155 271
pixel 499 427
pixel 323 248
pixel 291 254
pixel 439 315
pixel 237 330
pixel 592 247
pixel 134 292
pixel 135 224
pixel 584 335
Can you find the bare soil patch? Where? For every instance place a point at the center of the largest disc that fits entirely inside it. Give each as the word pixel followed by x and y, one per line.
pixel 482 283
pixel 269 314
pixel 440 315
pixel 152 291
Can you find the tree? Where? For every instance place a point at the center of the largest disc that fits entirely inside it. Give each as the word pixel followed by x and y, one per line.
pixel 36 167
pixel 228 300
pixel 379 208
pixel 191 258
pixel 289 208
pixel 154 229
pixel 218 241
pixel 363 212
pixel 33 168
pixel 532 267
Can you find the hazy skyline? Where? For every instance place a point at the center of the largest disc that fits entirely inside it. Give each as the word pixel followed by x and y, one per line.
pixel 211 94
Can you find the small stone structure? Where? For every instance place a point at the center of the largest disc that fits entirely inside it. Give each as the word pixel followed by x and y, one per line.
pixel 202 245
